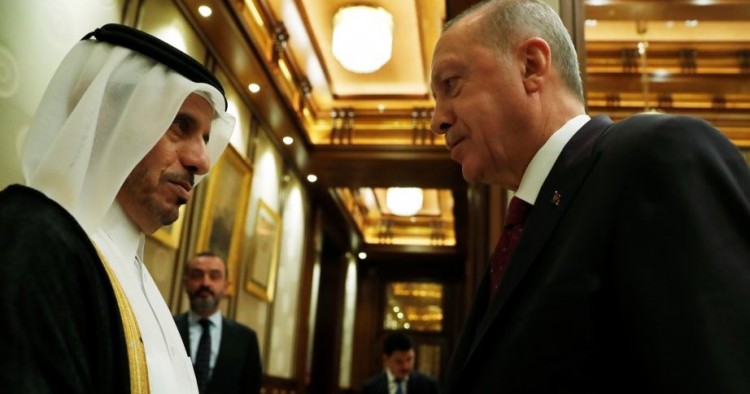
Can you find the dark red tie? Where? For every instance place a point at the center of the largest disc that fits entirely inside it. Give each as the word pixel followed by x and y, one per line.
pixel 514 219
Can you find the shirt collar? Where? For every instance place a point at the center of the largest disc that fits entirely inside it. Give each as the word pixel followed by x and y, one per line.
pixel 392 378
pixel 542 162
pixel 215 318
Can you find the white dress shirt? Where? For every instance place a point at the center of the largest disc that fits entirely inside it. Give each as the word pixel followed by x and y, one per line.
pixel 392 382
pixel 542 162
pixel 196 330
pixel 169 367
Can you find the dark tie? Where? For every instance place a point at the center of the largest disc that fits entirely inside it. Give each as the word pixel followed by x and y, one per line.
pixel 514 219
pixel 203 355
pixel 399 390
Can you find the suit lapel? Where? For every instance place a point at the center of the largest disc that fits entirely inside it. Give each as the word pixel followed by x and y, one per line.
pixel 383 385
pixel 558 189
pixel 182 327
pixel 227 346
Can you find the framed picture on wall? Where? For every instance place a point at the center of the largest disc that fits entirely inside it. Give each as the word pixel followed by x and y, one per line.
pixel 223 216
pixel 264 254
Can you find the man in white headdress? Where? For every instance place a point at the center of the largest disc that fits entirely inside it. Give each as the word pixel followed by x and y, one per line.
pixel 115 147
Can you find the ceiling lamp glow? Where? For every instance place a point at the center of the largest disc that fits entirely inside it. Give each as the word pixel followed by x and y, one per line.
pixel 404 201
pixel 362 38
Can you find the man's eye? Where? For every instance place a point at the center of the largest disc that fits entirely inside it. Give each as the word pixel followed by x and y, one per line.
pixel 181 124
pixel 449 84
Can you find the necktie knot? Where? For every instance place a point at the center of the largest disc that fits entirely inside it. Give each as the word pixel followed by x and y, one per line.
pixel 205 323
pixel 517 211
pixel 399 386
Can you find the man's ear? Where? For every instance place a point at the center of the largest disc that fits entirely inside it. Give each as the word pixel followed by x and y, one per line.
pixel 537 63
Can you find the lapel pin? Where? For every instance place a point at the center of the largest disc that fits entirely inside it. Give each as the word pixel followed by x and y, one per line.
pixel 556 197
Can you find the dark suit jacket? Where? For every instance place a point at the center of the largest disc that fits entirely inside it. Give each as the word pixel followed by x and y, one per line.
pixel 418 383
pixel 238 366
pixel 638 281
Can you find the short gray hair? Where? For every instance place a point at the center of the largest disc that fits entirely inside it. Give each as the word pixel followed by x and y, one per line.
pixel 509 21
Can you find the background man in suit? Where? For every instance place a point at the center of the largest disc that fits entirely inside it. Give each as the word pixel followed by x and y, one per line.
pixel 632 273
pixel 399 376
pixel 230 360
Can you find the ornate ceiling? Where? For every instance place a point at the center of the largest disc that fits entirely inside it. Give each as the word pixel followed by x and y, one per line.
pixel 676 56
pixel 362 133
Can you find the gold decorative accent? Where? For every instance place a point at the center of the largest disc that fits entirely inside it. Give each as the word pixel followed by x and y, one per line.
pixel 415 306
pixel 133 342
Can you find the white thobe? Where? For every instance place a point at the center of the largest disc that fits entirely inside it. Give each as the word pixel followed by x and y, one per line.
pixel 169 367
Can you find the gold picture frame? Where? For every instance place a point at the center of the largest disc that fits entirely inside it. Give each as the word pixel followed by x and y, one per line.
pixel 223 217
pixel 263 256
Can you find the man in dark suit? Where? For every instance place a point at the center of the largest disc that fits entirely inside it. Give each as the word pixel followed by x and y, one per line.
pixel 229 360
pixel 631 273
pixel 399 376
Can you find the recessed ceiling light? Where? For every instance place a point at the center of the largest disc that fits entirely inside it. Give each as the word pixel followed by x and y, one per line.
pixel 362 255
pixel 254 87
pixel 362 38
pixel 287 140
pixel 205 11
pixel 312 178
pixel 642 47
pixel 404 201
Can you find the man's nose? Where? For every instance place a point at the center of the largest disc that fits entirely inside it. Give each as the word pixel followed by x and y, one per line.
pixel 195 157
pixel 440 123
pixel 205 279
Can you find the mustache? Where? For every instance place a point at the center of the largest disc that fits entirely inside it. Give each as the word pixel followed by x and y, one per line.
pixel 179 177
pixel 204 289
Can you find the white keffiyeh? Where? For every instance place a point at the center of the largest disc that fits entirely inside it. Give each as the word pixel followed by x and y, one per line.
pixel 103 111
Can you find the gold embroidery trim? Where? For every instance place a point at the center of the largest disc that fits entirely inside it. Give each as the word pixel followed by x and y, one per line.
pixel 134 343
